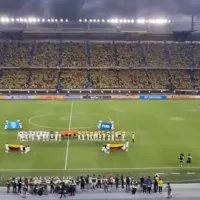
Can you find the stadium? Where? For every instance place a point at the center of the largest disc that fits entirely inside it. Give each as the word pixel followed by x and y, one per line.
pixel 61 76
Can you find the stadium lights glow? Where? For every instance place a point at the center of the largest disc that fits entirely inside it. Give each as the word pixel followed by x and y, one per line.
pixel 155 21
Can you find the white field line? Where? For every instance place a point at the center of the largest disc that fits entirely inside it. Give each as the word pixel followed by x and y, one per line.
pixel 190 173
pixel 105 169
pixel 70 123
pixel 176 173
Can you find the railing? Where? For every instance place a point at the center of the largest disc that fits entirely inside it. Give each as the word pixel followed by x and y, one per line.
pixel 98 91
pixel 105 67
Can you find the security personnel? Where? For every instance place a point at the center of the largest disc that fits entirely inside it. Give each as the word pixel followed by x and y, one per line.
pixel 160 185
pixel 133 137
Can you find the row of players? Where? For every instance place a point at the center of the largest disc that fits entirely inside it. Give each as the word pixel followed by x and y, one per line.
pixel 101 135
pixel 39 136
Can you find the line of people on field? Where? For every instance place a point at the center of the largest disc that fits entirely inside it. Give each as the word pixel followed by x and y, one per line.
pixel 101 135
pixel 39 136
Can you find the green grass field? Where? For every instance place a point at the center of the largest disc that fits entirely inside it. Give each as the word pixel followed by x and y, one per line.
pixel 163 130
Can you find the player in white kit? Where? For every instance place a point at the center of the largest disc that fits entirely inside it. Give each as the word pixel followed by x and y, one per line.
pixel 108 135
pixel 6 148
pixel 88 136
pixel 112 137
pixel 108 148
pixel 59 137
pixel 56 136
pixel 21 148
pixel 91 135
pixel 116 135
pixel 83 136
pixel 127 145
pixel 103 136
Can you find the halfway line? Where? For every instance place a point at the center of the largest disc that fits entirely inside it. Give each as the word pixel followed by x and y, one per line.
pixel 70 123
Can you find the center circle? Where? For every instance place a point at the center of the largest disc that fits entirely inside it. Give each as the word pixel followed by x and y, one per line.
pixel 64 118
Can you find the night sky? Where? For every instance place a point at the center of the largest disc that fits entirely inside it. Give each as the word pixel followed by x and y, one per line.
pixel 75 9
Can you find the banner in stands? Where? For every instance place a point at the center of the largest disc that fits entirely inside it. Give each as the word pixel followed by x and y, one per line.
pixel 182 97
pixel 153 97
pixel 119 97
pixel 73 97
pixel 105 126
pixel 124 97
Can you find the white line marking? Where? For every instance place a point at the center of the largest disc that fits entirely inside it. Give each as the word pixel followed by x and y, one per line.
pixel 103 169
pixel 62 128
pixel 160 173
pixel 70 123
pixel 176 173
pixel 190 173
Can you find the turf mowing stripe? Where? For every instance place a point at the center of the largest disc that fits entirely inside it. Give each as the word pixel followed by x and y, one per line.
pixel 106 169
pixel 70 123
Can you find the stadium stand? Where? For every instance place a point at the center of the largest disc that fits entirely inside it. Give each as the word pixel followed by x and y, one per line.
pixel 151 65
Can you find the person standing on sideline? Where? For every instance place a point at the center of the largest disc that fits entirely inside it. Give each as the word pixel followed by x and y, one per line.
pixel 169 191
pixel 62 191
pixel 160 185
pixel 149 184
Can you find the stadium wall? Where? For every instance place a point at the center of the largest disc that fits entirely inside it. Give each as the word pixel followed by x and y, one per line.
pixel 98 97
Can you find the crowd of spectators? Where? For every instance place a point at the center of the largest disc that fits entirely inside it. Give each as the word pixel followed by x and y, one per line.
pixel 86 182
pixel 100 79
pixel 49 55
pixel 98 54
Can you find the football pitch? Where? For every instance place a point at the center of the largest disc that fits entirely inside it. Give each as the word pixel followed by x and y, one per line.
pixel 163 130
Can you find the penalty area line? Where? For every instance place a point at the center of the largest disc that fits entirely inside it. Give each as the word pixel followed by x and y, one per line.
pixel 70 123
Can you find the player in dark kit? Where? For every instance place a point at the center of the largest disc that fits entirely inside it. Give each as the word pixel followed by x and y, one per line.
pixel 189 159
pixel 181 158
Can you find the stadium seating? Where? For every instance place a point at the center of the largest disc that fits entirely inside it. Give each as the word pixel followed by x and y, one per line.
pixel 150 55
pixel 14 79
pixel 74 54
pixel 45 54
pixel 101 78
pixel 15 54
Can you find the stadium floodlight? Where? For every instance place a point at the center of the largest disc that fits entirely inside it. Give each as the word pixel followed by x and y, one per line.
pixel 52 20
pixel 12 20
pixel 25 20
pixel 94 20
pixel 21 20
pixel 66 20
pixel 121 20
pixel 128 21
pixel 169 21
pixel 90 20
pixel 38 20
pixel 61 20
pixel 132 20
pixel 108 20
pixel 85 20
pixel 98 20
pixel 34 19
pixel 103 20
pixel 48 20
pixel 43 20
pixel 124 21
pixel 140 21
pixel 80 20
pixel 56 20
pixel 17 19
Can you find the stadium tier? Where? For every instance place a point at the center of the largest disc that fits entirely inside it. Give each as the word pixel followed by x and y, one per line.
pixel 99 78
pixel 99 54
